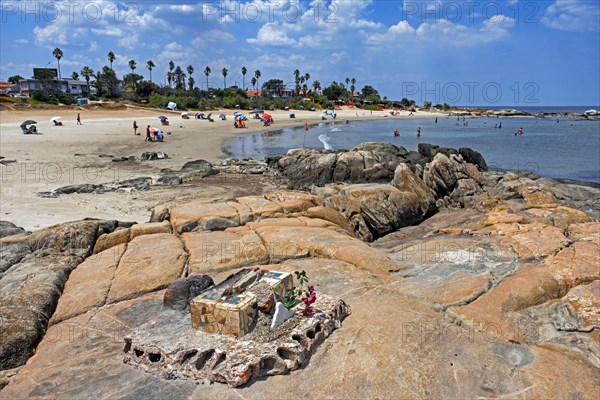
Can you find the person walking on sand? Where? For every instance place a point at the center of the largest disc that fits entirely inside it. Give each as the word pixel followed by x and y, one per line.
pixel 419 132
pixel 79 119
pixel 135 128
pixel 148 134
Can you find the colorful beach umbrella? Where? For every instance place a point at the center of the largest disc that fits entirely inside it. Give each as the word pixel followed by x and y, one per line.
pixel 154 130
pixel 162 117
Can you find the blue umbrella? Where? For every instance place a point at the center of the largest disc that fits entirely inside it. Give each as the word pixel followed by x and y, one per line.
pixel 222 116
pixel 162 117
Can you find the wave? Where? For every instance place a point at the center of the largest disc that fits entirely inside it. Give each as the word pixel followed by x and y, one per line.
pixel 325 140
pixel 335 130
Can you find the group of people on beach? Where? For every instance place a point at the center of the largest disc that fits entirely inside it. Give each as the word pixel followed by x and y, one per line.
pixel 156 136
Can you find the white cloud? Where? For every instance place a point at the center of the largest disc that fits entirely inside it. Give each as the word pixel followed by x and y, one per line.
pixel 21 41
pixel 93 46
pixel 212 36
pixel 174 51
pixel 129 41
pixel 573 15
pixel 272 34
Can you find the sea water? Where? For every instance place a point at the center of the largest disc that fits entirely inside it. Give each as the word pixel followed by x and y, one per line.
pixel 563 148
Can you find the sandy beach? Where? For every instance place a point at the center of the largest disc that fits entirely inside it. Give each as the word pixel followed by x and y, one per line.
pixel 73 154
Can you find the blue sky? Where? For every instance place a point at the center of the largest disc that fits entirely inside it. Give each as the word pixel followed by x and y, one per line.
pixel 467 52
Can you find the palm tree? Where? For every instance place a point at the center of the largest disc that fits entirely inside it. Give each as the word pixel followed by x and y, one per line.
pixel 353 82
pixel 306 78
pixel 150 65
pixel 257 76
pixel 75 76
pixel 224 72
pixel 171 68
pixel 191 80
pixel 253 82
pixel 170 78
pixel 347 82
pixel 111 58
pixel 132 65
pixel 207 72
pixel 317 85
pixel 297 80
pixel 179 78
pixel 86 72
pixel 58 54
pixel 244 71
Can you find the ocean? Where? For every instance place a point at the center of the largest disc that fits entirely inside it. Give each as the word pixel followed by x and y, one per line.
pixel 567 148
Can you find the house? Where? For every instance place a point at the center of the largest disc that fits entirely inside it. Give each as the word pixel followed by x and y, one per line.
pixel 5 88
pixel 253 93
pixel 77 88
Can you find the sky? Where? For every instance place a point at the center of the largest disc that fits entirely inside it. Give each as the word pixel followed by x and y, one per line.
pixel 465 52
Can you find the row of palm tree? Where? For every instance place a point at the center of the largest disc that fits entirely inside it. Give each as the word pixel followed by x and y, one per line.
pixel 176 76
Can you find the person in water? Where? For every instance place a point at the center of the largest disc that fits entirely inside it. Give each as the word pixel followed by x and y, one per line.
pixel 519 132
pixel 396 133
pixel 419 132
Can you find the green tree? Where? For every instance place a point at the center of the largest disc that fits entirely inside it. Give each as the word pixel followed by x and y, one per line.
pixel 75 76
pixel 58 54
pixel 253 81
pixel 191 80
pixel 207 72
pixel 172 74
pixel 150 65
pixel 132 65
pixel 347 83
pixel 224 72
pixel 111 58
pixel 316 86
pixel 179 78
pixel 15 79
pixel 87 72
pixel 244 71
pixel 272 87
pixel 369 93
pixel 334 91
pixel 352 87
pixel 107 82
pixel 306 78
pixel 257 75
pixel 297 81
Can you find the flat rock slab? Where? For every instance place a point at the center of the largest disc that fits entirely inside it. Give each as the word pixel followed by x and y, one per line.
pixel 170 347
pixel 151 262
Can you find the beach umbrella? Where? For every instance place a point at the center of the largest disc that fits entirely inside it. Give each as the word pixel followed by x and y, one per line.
pixel 28 122
pixel 237 113
pixel 154 130
pixel 267 116
pixel 182 114
pixel 256 111
pixel 322 115
pixel 55 119
pixel 222 116
pixel 162 117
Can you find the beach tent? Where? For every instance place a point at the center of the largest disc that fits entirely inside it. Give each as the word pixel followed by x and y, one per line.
pixel 172 106
pixel 154 130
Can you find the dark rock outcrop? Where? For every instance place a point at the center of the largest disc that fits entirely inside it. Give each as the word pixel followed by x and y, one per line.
pixel 366 163
pixel 8 229
pixel 180 292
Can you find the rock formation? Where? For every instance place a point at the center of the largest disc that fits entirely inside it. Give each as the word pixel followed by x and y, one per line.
pixel 474 284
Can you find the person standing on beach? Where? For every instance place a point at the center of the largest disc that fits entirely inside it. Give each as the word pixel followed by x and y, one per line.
pixel 135 128
pixel 79 119
pixel 148 133
pixel 419 132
